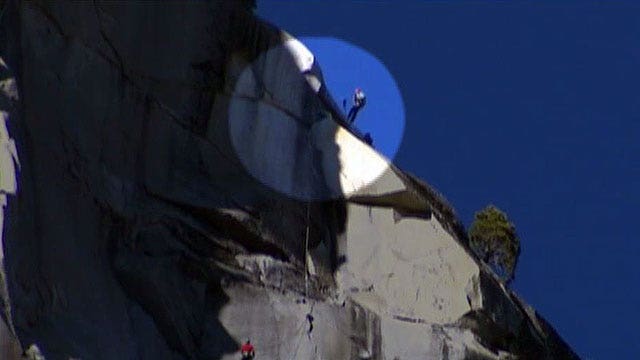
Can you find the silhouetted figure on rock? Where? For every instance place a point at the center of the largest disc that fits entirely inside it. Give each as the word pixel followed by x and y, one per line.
pixel 359 100
pixel 368 139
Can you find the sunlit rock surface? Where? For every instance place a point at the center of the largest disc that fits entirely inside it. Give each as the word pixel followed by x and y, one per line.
pixel 176 179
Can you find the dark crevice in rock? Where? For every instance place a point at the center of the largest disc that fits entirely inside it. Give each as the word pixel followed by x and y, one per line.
pixel 404 203
pixel 107 40
pixel 176 287
pixel 445 351
pixel 488 333
pixel 244 233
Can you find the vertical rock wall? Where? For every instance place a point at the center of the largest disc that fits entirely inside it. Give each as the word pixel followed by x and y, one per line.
pixel 185 184
pixel 9 165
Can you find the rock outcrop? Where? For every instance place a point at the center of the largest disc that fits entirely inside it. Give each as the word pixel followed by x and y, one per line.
pixel 175 179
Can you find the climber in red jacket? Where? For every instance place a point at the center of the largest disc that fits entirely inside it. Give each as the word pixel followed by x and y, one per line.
pixel 247 351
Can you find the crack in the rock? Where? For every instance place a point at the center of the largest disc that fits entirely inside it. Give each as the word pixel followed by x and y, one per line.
pixel 127 78
pixel 107 40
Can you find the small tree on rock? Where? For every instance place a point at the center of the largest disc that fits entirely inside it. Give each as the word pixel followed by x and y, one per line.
pixel 493 238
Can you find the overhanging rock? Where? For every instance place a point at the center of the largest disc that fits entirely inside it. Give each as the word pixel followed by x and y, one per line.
pixel 186 182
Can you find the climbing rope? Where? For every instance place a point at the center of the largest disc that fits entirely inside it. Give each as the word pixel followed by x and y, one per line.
pixel 300 330
pixel 308 319
pixel 300 335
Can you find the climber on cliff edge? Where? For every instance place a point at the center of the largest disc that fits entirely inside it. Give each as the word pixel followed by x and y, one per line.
pixel 247 351
pixel 359 100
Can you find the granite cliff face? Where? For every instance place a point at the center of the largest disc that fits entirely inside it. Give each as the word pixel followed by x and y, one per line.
pixel 175 179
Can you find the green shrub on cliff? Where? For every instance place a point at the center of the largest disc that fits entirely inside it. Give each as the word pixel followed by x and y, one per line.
pixel 493 238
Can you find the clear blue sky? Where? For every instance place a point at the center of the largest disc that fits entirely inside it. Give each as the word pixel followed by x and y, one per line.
pixel 532 106
pixel 346 67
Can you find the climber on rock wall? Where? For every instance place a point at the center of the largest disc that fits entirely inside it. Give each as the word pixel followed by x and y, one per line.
pixel 359 100
pixel 368 139
pixel 247 351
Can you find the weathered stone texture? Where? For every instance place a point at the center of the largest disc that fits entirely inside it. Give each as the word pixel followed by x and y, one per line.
pixel 173 162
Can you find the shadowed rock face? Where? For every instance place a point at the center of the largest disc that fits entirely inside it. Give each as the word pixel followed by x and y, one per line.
pixel 182 182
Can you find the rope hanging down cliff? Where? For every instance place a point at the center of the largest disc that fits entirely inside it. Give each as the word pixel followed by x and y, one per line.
pixel 300 331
